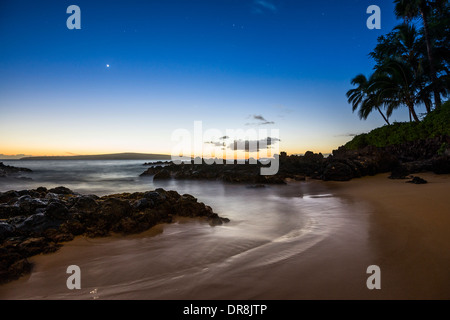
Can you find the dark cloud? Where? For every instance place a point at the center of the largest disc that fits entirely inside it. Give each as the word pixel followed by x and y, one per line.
pixel 347 135
pixel 216 144
pixel 261 120
pixel 252 145
pixel 259 117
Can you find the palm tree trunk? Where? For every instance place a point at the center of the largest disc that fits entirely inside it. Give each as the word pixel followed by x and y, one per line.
pixel 413 112
pixel 437 97
pixel 427 105
pixel 385 119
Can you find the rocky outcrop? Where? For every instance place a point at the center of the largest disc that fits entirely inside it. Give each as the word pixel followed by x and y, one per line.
pixel 39 221
pixel 248 173
pixel 157 163
pixel 348 164
pixel 441 165
pixel 342 165
pixel 162 174
pixel 12 172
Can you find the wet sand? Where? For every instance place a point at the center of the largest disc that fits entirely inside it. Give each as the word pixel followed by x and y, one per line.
pixel 409 233
pixel 308 240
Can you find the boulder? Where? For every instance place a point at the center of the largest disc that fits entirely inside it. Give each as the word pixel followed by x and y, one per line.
pixel 399 172
pixel 61 190
pixel 154 197
pixel 8 196
pixel 56 211
pixel 84 204
pixel 8 211
pixel 32 246
pixel 6 230
pixel 162 175
pixel 441 165
pixel 114 208
pixel 417 180
pixel 337 171
pixel 142 204
pixel 15 270
pixel 150 171
pixel 36 223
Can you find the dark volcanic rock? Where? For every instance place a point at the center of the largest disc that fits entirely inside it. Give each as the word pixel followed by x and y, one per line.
pixel 61 190
pixel 155 197
pixel 313 157
pixel 7 196
pixel 337 171
pixel 151 171
pixel 56 210
pixel 6 230
pixel 342 165
pixel 16 269
pixel 12 172
pixel 84 204
pixel 441 165
pixel 417 150
pixel 417 180
pixel 399 172
pixel 142 204
pixel 38 221
pixel 8 211
pixel 163 174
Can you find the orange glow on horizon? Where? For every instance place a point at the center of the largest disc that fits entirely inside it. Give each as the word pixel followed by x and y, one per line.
pixel 36 152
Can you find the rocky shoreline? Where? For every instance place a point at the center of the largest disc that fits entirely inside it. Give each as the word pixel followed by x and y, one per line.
pixel 342 165
pixel 12 172
pixel 40 220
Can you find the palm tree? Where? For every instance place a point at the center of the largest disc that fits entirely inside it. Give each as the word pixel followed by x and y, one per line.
pixel 410 9
pixel 404 44
pixel 409 48
pixel 364 98
pixel 411 51
pixel 397 84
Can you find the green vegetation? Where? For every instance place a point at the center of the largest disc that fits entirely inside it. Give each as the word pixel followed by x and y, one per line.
pixel 436 123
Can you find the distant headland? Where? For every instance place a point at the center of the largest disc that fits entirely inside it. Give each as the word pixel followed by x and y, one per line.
pixel 112 156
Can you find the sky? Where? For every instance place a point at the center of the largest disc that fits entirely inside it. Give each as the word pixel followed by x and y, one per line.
pixel 137 71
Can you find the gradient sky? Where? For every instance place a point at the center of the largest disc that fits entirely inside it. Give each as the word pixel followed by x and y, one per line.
pixel 174 62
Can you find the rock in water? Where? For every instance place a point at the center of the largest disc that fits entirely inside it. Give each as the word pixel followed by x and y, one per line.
pixel 163 174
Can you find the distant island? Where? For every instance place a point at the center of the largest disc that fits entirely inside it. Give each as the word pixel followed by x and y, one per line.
pixel 112 156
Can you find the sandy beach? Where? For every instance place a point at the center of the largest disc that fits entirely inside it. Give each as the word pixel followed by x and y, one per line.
pixel 314 246
pixel 409 233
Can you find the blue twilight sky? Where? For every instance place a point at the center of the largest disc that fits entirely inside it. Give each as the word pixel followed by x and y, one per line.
pixel 221 62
